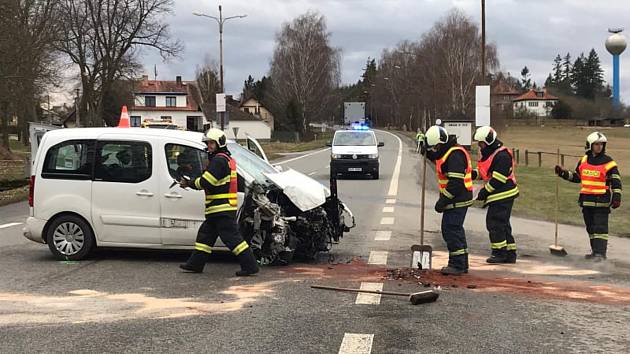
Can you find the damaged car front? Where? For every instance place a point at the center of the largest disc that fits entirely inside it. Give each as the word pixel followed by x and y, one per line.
pixel 286 214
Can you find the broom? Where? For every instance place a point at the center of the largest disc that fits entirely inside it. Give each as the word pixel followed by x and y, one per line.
pixel 555 249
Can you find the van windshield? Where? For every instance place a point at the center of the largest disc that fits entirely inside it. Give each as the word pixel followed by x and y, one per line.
pixel 354 139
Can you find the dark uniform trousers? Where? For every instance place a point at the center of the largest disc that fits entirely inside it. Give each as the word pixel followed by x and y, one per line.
pixel 212 228
pixel 499 228
pixel 455 237
pixel 596 220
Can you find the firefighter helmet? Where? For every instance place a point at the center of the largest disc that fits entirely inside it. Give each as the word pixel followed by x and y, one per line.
pixel 436 135
pixel 595 137
pixel 486 134
pixel 217 135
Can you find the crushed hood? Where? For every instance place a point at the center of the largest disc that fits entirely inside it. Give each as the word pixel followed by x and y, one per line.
pixel 303 191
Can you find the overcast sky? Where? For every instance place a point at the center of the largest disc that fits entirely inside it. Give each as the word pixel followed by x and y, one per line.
pixel 526 32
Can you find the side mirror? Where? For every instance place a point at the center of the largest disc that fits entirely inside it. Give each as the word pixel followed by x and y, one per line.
pixel 329 144
pixel 381 144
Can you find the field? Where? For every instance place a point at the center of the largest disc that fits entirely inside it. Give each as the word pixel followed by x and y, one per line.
pixel 276 149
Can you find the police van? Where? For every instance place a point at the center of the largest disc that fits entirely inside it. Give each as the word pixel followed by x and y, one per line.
pixel 355 152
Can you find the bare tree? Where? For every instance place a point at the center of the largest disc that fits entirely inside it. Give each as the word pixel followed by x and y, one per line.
pixel 305 70
pixel 209 85
pixel 103 38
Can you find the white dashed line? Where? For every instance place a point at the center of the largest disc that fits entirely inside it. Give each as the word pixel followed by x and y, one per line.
pixel 387 221
pixel 355 343
pixel 301 157
pixel 383 236
pixel 312 173
pixel 378 257
pixel 388 209
pixel 10 225
pixel 390 201
pixel 369 299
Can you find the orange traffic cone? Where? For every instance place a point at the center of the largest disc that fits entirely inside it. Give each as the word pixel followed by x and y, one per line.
pixel 124 118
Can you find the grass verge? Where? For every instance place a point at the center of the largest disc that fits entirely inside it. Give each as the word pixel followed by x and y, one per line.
pixel 274 150
pixel 537 200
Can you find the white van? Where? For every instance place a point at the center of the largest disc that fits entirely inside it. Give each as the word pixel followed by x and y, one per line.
pixel 113 187
pixel 355 152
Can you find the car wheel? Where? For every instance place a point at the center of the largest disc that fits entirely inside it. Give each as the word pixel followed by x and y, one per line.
pixel 70 238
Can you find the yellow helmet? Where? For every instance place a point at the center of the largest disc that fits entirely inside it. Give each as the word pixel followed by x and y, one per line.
pixel 217 135
pixel 486 134
pixel 595 137
pixel 436 135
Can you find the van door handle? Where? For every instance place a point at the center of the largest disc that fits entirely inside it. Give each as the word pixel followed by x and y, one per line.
pixel 144 194
pixel 173 196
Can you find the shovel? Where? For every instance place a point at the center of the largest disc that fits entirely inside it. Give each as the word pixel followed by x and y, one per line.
pixel 555 249
pixel 422 254
pixel 421 297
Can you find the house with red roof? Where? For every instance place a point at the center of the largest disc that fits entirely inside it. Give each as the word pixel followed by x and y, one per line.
pixel 535 101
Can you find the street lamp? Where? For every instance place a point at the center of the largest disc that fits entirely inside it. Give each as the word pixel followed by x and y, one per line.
pixel 220 21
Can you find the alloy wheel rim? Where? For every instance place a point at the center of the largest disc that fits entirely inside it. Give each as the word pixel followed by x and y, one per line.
pixel 68 238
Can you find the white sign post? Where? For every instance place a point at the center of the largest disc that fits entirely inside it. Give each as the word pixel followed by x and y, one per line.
pixel 220 102
pixel 462 130
pixel 482 106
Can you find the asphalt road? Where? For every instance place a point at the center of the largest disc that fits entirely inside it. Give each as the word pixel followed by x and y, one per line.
pixel 138 301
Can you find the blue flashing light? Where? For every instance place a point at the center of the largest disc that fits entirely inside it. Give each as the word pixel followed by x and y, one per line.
pixel 360 126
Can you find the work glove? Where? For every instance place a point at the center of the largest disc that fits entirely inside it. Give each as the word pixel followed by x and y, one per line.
pixel 562 172
pixel 616 201
pixel 483 194
pixel 441 204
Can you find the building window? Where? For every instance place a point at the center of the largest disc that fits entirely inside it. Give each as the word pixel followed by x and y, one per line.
pixel 532 104
pixel 171 101
pixel 549 104
pixel 135 121
pixel 167 118
pixel 246 110
pixel 149 101
pixel 193 123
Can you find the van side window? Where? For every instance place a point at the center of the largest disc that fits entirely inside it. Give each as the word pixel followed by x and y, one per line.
pixel 69 160
pixel 185 161
pixel 122 161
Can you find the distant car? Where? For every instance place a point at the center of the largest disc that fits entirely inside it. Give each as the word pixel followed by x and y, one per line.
pixel 160 125
pixel 355 152
pixel 114 187
pixel 626 126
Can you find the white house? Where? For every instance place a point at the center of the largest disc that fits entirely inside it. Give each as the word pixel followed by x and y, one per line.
pixel 247 124
pixel 538 102
pixel 253 106
pixel 167 101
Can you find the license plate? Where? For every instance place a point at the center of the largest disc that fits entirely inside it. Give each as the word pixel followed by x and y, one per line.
pixel 355 169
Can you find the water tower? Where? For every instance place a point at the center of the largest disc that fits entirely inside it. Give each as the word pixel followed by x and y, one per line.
pixel 616 44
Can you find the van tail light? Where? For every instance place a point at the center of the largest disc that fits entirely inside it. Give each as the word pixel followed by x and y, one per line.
pixel 31 191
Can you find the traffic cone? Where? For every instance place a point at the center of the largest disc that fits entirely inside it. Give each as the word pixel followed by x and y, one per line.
pixel 124 118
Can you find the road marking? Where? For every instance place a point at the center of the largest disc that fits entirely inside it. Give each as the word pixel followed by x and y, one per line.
pixel 10 225
pixel 355 343
pixel 383 236
pixel 301 157
pixel 387 221
pixel 388 209
pixel 369 299
pixel 378 257
pixel 312 173
pixel 390 201
pixel 393 186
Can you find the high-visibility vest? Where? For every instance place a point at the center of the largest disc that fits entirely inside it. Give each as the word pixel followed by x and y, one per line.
pixel 216 203
pixel 593 177
pixel 484 166
pixel 443 178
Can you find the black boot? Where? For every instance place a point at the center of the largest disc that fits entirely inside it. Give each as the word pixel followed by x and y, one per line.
pixel 498 256
pixel 457 265
pixel 599 250
pixel 196 262
pixel 511 257
pixel 249 265
pixel 450 270
pixel 590 255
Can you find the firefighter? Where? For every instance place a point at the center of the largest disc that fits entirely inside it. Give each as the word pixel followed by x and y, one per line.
pixel 419 140
pixel 454 173
pixel 219 182
pixel 496 167
pixel 601 190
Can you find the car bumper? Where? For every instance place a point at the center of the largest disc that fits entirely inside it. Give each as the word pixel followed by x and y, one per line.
pixel 354 166
pixel 34 229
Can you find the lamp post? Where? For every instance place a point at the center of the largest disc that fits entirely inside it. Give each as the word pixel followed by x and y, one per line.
pixel 220 21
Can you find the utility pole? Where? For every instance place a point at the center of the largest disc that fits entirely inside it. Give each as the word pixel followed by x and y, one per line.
pixel 220 21
pixel 77 121
pixel 483 41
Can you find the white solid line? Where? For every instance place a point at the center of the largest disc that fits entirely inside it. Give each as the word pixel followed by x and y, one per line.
pixel 378 257
pixel 387 221
pixel 393 186
pixel 355 343
pixel 312 173
pixel 369 299
pixel 390 201
pixel 301 157
pixel 10 225
pixel 383 236
pixel 388 209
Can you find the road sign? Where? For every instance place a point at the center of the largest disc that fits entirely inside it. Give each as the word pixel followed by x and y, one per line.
pixel 462 130
pixel 482 105
pixel 220 102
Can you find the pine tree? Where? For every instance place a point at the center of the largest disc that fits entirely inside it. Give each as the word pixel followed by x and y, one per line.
pixel 565 81
pixel 594 76
pixel 526 81
pixel 579 76
pixel 557 71
pixel 549 82
pixel 248 88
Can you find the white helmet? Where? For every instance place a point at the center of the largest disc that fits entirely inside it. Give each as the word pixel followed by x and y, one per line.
pixel 436 135
pixel 595 137
pixel 486 134
pixel 217 135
